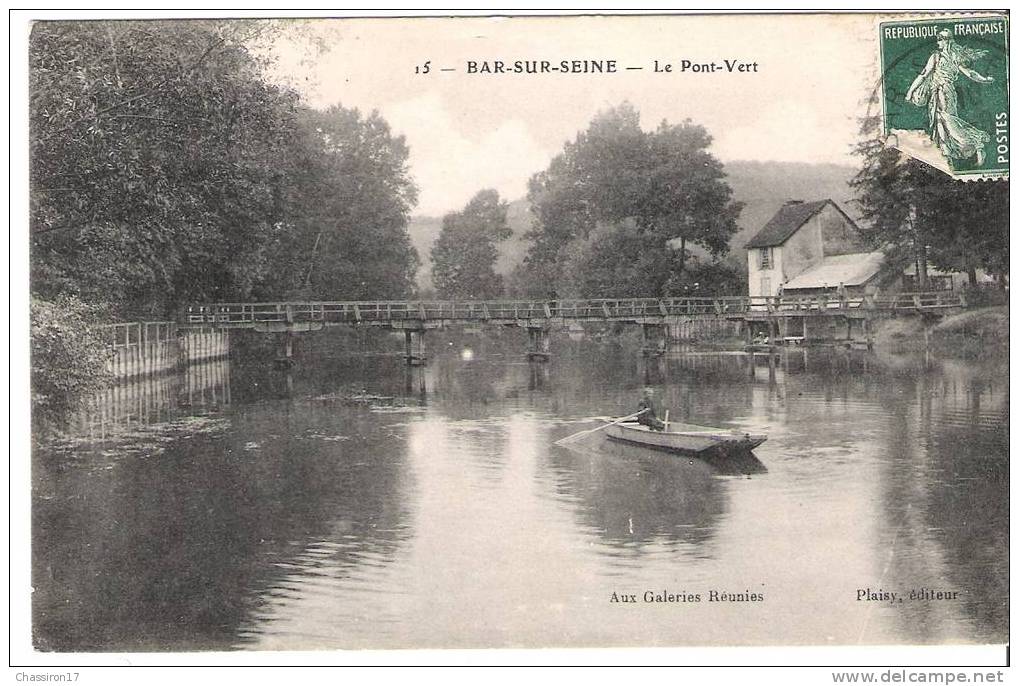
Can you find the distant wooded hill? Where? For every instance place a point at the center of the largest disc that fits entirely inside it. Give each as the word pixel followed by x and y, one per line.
pixel 762 186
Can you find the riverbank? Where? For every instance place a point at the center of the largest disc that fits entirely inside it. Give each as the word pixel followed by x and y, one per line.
pixel 982 331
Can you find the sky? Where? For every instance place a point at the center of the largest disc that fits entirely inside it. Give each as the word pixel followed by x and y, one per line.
pixel 471 131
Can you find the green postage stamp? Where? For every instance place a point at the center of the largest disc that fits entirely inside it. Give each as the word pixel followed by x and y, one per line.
pixel 944 93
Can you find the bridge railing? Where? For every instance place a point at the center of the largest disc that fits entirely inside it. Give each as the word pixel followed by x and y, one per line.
pixel 923 301
pixel 819 303
pixel 245 314
pixel 136 333
pixel 369 311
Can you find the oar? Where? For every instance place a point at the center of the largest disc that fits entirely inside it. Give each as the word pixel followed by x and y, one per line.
pixel 599 428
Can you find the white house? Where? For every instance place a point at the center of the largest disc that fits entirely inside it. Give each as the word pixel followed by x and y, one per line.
pixel 809 246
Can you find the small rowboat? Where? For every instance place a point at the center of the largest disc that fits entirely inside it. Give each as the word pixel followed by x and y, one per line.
pixel 686 438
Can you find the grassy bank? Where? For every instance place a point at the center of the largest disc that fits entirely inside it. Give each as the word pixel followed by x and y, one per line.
pixel 981 331
pixel 975 332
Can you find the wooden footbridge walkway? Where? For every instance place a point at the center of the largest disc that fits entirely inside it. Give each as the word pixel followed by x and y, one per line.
pixel 414 313
pixel 781 317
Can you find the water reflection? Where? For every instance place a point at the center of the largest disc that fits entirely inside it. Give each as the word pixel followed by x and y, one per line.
pixel 950 504
pixel 629 495
pixel 153 400
pixel 232 508
pixel 180 545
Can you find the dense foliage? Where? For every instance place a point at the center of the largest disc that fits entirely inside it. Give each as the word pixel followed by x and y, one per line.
pixel 68 353
pixel 166 169
pixel 913 211
pixel 619 209
pixel 464 255
pixel 346 201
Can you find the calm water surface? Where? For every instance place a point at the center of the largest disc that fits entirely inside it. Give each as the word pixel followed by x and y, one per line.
pixel 234 508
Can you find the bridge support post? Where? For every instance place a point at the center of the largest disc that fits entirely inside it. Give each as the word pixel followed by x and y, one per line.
pixel 285 349
pixel 538 377
pixel 655 338
pixel 414 381
pixel 414 346
pixel 539 343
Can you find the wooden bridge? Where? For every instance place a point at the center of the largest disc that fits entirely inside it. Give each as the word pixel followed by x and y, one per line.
pixel 281 316
pixel 784 317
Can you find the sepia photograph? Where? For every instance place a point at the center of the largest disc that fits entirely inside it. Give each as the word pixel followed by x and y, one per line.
pixel 515 332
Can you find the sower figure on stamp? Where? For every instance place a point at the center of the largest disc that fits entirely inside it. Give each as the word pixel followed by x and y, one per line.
pixel 934 88
pixel 648 416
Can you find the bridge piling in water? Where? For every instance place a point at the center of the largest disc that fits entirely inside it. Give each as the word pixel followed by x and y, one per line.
pixel 284 349
pixel 539 343
pixel 414 380
pixel 414 347
pixel 655 338
pixel 774 329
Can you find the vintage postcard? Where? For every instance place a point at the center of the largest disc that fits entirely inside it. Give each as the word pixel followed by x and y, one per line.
pixel 605 331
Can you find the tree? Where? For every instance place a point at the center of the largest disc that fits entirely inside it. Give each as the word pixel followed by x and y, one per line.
pixel 914 212
pixel 969 228
pixel 661 190
pixel 346 198
pixel 583 185
pixel 610 263
pixel 687 197
pixel 464 254
pixel 166 168
pixel 152 162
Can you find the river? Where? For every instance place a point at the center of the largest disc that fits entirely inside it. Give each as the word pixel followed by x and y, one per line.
pixel 239 507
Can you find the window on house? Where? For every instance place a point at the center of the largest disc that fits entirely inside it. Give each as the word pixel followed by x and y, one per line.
pixel 765 285
pixel 764 258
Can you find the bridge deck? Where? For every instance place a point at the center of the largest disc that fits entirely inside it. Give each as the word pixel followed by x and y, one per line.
pixel 392 313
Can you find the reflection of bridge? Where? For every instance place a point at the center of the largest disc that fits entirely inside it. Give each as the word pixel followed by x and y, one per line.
pixel 783 316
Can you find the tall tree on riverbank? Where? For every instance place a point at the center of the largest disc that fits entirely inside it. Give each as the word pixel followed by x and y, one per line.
pixel 464 255
pixel 916 213
pixel 346 200
pixel 166 168
pixel 661 190
pixel 152 162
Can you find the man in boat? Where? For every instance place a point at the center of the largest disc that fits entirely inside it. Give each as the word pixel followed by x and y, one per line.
pixel 648 416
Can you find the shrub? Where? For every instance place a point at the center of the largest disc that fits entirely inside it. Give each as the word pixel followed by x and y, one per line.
pixel 985 295
pixel 69 355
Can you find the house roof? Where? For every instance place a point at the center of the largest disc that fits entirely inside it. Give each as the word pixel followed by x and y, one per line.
pixel 854 269
pixel 787 220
